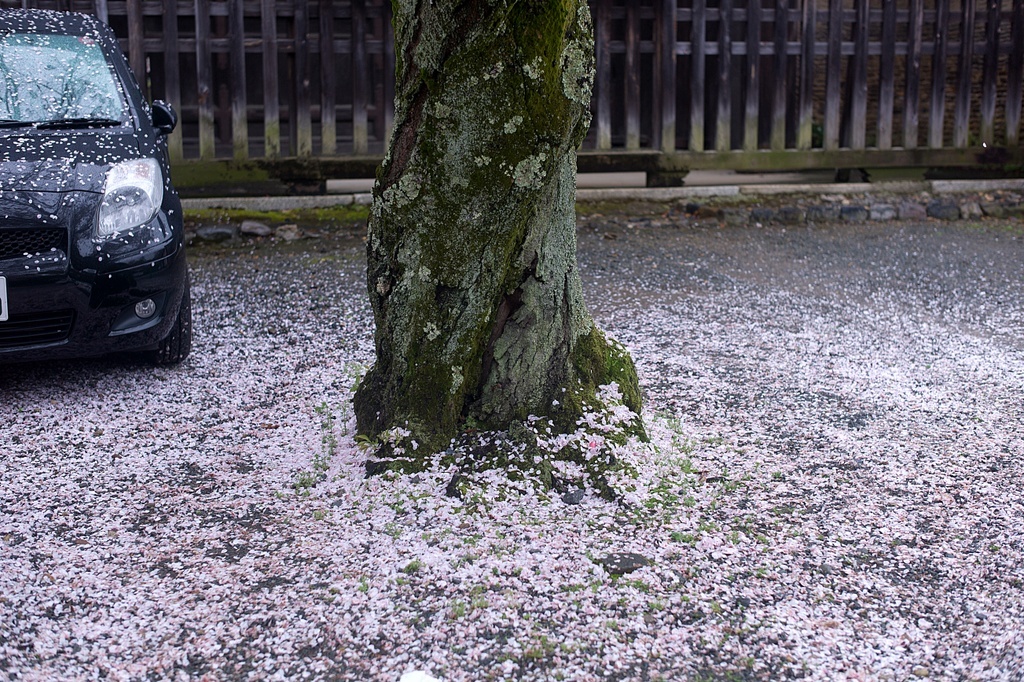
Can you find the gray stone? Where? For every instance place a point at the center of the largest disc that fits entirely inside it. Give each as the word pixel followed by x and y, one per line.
pixel 734 216
pixel 574 496
pixel 970 209
pixel 824 213
pixel 790 215
pixel 251 228
pixel 883 212
pixel 943 209
pixel 621 563
pixel 216 233
pixel 853 214
pixel 912 210
pixel 289 233
pixel 762 216
pixel 994 209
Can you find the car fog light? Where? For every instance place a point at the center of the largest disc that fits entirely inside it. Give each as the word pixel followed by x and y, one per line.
pixel 145 309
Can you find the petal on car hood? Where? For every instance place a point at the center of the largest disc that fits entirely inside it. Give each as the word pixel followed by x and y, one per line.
pixel 62 162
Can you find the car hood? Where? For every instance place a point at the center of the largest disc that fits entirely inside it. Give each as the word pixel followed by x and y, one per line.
pixel 62 162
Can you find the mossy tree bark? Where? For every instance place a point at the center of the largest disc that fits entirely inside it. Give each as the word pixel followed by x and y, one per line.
pixel 472 245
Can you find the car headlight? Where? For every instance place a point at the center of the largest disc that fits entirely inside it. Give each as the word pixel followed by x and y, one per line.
pixel 132 195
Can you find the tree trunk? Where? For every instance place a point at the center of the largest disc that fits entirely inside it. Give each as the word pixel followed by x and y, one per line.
pixel 472 238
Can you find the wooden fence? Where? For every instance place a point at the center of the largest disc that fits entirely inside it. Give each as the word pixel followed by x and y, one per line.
pixel 302 91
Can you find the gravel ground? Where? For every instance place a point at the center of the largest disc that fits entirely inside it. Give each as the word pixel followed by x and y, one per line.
pixel 835 487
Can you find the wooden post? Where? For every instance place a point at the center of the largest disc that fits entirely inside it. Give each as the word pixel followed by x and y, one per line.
pixel 962 110
pixel 360 129
pixel 723 126
pixel 603 34
pixel 667 59
pixel 911 91
pixel 698 69
pixel 833 76
pixel 937 108
pixel 389 76
pixel 271 92
pixel 204 81
pixel 859 102
pixel 887 77
pixel 632 79
pixel 990 72
pixel 172 75
pixel 1015 81
pixel 239 97
pixel 328 82
pixel 781 92
pixel 753 81
pixel 136 50
pixel 101 11
pixel 805 126
pixel 303 99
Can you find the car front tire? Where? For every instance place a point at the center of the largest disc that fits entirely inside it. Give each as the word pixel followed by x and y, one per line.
pixel 176 346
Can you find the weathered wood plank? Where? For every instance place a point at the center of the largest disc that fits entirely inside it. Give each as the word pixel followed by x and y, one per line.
pixel 271 91
pixel 328 81
pixel 698 67
pixel 136 53
pixel 965 75
pixel 752 112
pixel 990 74
pixel 723 126
pixel 172 75
pixel 204 81
pixel 1015 79
pixel 239 96
pixel 858 122
pixel 100 9
pixel 833 75
pixel 937 105
pixel 360 127
pixel 667 64
pixel 303 96
pixel 631 91
pixel 805 123
pixel 389 75
pixel 887 76
pixel 780 93
pixel 603 96
pixel 912 82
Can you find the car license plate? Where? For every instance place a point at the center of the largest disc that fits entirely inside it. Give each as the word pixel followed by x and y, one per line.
pixel 3 299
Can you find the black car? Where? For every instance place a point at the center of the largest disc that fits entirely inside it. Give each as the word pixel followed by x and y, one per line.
pixel 92 257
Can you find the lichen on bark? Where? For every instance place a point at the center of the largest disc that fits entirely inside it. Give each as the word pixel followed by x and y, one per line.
pixel 472 271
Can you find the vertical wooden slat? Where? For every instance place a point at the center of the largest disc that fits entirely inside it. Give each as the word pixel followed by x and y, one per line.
pixel 204 80
pixel 172 75
pixel 859 102
pixel 271 92
pixel 781 91
pixel 962 109
pixel 1015 79
pixel 389 75
pixel 833 75
pixel 136 51
pixel 723 127
pixel 632 76
pixel 989 72
pixel 698 64
pixel 753 80
pixel 303 98
pixel 805 125
pixel 360 130
pixel 937 107
pixel 239 96
pixel 887 77
pixel 603 33
pixel 101 11
pixel 328 81
pixel 667 74
pixel 911 92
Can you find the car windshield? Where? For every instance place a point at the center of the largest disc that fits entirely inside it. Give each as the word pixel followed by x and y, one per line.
pixel 48 77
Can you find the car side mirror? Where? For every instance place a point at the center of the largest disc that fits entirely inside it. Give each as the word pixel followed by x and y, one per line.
pixel 164 117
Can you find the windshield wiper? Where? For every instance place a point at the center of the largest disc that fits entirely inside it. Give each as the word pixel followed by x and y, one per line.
pixel 67 123
pixel 11 123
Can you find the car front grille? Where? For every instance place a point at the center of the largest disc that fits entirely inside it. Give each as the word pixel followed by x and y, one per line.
pixel 36 329
pixel 19 241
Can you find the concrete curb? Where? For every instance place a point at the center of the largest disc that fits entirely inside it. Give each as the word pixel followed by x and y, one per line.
pixel 656 194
